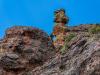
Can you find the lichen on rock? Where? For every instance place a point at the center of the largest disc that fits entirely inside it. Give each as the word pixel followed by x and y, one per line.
pixel 30 51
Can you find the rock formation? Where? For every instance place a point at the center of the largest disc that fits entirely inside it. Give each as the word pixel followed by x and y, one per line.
pixel 24 48
pixel 30 51
pixel 60 27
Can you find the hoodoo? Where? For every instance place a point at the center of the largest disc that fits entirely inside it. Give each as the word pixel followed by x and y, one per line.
pixel 60 27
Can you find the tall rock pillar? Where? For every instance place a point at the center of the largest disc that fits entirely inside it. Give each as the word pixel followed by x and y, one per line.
pixel 60 27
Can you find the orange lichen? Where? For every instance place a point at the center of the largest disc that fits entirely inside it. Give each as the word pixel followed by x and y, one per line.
pixel 60 27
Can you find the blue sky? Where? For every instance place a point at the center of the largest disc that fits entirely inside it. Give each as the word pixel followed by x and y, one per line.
pixel 39 13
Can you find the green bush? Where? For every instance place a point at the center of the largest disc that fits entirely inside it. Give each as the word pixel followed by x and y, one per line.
pixel 98 29
pixel 95 29
pixel 65 47
pixel 67 39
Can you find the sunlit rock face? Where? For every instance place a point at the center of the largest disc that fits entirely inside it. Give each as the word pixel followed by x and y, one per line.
pixel 24 48
pixel 60 16
pixel 60 20
pixel 81 58
pixel 60 28
pixel 29 51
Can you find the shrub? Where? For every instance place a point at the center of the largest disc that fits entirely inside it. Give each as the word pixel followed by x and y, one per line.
pixel 64 47
pixel 67 39
pixel 95 29
pixel 98 29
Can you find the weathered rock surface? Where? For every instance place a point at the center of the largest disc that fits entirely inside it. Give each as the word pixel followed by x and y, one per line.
pixel 29 51
pixel 82 27
pixel 82 58
pixel 23 49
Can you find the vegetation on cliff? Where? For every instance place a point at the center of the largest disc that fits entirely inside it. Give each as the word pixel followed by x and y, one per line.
pixel 95 29
pixel 30 51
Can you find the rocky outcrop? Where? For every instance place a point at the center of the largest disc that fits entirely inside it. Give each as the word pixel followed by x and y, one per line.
pixel 81 58
pixel 23 49
pixel 29 51
pixel 82 27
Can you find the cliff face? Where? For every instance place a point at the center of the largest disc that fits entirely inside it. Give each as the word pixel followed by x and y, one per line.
pixel 23 49
pixel 29 51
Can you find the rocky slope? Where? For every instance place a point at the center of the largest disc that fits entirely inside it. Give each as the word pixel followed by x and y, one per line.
pixel 29 51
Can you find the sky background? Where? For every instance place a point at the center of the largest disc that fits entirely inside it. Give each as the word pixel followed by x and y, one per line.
pixel 40 13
